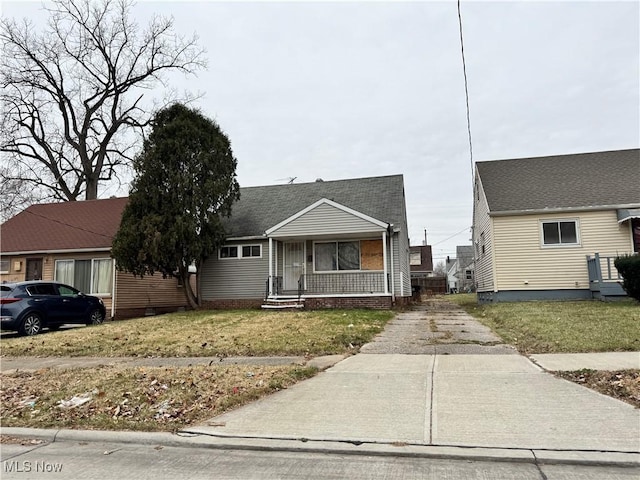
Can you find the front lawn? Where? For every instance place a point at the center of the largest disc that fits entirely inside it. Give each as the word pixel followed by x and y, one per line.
pixel 148 399
pixel 212 333
pixel 560 327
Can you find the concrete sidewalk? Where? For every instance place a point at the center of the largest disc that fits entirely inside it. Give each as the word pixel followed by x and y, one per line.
pixel 490 401
pixel 556 362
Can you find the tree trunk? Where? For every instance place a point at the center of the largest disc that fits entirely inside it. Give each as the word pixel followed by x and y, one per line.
pixel 193 300
pixel 91 192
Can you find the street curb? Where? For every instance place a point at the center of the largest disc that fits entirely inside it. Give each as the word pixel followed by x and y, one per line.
pixel 301 445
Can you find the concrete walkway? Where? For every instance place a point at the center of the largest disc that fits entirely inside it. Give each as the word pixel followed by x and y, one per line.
pixel 437 379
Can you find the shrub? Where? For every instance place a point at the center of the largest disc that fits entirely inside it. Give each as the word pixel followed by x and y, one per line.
pixel 629 268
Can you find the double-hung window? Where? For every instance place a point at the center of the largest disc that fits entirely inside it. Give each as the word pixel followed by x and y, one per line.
pixel 560 233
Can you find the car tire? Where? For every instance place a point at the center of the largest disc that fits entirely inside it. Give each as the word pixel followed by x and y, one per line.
pixel 31 325
pixel 95 317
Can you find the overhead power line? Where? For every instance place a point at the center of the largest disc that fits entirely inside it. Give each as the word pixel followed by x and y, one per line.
pixel 466 89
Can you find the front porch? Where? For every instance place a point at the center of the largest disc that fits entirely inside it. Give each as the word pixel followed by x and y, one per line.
pixel 314 284
pixel 362 289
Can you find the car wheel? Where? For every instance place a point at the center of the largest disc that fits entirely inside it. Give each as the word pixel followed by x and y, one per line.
pixel 95 318
pixel 31 325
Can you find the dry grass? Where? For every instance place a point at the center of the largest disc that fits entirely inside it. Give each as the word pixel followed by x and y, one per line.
pixel 623 384
pixel 149 399
pixel 212 333
pixel 560 327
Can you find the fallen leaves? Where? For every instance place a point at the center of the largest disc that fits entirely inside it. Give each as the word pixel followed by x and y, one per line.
pixel 622 384
pixel 148 398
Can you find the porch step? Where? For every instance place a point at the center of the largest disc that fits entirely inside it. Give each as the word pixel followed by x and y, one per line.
pixel 282 303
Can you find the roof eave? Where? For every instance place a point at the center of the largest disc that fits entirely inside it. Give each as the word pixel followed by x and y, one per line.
pixel 50 252
pixel 595 208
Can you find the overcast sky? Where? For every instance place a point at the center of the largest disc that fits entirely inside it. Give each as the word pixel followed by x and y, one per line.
pixel 338 90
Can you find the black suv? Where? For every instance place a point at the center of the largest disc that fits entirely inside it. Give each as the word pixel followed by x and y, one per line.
pixel 28 307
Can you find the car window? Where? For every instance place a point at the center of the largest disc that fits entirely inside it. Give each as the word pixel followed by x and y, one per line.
pixel 42 289
pixel 66 291
pixel 5 290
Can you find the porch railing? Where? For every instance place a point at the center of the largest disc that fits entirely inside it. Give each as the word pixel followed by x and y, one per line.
pixel 604 279
pixel 343 283
pixel 276 282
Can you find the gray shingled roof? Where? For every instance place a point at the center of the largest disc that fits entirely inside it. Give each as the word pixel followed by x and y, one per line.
pixel 562 181
pixel 260 208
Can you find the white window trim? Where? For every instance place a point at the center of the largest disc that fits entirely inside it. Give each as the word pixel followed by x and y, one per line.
pixel 93 260
pixel 8 269
pixel 578 242
pixel 239 246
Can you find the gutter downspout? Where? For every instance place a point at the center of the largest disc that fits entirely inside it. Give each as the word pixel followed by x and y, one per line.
pixel 270 267
pixel 384 261
pixel 393 281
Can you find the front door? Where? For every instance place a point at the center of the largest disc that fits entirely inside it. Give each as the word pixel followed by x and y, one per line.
pixel 293 264
pixel 34 269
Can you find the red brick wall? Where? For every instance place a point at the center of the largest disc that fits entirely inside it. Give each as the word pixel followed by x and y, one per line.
pixel 232 303
pixel 381 303
pixel 348 302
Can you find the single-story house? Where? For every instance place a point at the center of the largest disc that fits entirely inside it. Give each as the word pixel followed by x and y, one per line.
pixel 70 242
pixel 340 243
pixel 551 227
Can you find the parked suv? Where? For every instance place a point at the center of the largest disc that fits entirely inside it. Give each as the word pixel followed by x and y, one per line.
pixel 28 307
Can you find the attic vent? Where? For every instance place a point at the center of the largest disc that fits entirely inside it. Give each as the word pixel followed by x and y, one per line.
pixel 319 180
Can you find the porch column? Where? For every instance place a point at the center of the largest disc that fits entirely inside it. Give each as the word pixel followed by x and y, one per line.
pixel 270 266
pixel 384 261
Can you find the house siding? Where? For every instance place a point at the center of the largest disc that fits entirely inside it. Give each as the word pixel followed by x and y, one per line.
pixel 521 263
pixel 401 273
pixel 233 278
pixel 484 266
pixel 326 220
pixel 151 294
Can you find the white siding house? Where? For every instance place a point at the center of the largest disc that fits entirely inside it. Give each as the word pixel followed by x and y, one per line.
pixel 550 227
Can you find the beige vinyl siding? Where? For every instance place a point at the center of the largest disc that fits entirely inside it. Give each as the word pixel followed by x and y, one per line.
pixel 326 220
pixel 230 278
pixel 19 274
pixel 522 263
pixel 482 230
pixel 151 291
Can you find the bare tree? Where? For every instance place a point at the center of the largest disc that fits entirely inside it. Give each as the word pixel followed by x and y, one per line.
pixel 72 95
pixel 440 269
pixel 14 195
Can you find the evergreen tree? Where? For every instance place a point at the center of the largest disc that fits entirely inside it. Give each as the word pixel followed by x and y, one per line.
pixel 185 183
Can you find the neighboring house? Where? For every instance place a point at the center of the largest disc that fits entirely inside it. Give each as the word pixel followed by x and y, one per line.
pixel 451 267
pixel 337 243
pixel 420 261
pixel 465 268
pixel 71 242
pixel 460 270
pixel 550 227
pixel 423 279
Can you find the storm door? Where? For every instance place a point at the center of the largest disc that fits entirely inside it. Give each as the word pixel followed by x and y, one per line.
pixel 293 264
